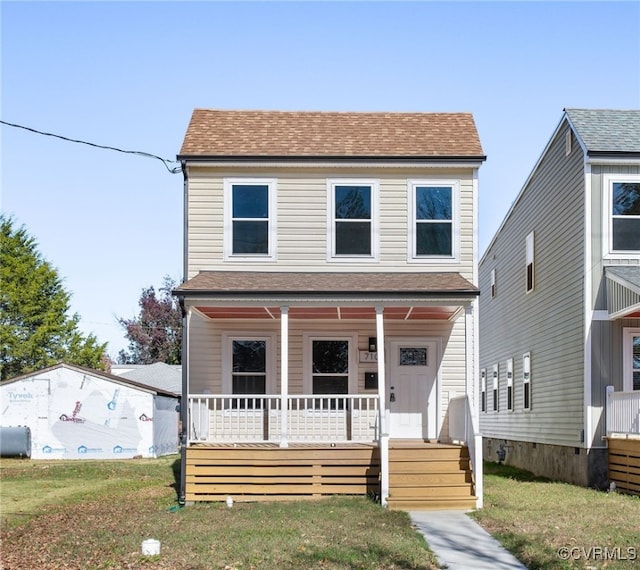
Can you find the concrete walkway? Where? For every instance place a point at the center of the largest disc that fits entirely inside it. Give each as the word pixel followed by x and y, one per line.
pixel 462 544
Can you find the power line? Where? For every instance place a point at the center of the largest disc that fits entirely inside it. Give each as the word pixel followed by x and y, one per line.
pixel 166 162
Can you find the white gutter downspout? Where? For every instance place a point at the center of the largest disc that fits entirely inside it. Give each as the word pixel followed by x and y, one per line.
pixel 588 308
pixel 284 376
pixel 382 421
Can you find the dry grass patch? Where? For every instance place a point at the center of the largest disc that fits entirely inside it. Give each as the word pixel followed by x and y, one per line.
pixel 102 526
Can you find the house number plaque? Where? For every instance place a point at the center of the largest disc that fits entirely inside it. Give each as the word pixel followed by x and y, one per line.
pixel 366 356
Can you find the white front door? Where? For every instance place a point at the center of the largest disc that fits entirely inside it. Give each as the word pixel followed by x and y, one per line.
pixel 411 389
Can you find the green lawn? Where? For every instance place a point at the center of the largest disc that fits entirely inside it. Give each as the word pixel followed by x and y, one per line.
pixel 95 514
pixel 542 522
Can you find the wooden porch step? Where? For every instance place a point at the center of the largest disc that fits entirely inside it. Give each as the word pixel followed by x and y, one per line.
pixel 428 476
pixel 435 504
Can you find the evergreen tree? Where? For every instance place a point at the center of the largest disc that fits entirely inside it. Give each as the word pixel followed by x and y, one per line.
pixel 155 335
pixel 35 328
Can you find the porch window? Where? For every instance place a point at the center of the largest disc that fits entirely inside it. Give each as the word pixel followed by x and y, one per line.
pixel 433 220
pixel 353 220
pixel 330 371
pixel 624 228
pixel 249 219
pixel 510 384
pixel 631 357
pixel 526 381
pixel 249 371
pixel 483 390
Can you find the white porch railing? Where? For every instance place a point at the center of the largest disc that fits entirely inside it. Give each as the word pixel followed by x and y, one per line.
pixel 322 418
pixel 623 412
pixel 462 430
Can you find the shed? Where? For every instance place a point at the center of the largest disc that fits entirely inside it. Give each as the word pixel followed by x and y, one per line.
pixel 79 413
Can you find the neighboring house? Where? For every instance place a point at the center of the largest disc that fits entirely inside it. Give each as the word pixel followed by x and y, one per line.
pixel 560 304
pixel 330 306
pixel 166 377
pixel 78 413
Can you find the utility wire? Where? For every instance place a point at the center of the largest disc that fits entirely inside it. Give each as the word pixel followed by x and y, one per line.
pixel 166 162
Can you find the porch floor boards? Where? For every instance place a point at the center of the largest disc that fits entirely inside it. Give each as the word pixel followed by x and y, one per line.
pixel 422 474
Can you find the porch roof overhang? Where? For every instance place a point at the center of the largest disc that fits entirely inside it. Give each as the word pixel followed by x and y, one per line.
pixel 623 291
pixel 344 295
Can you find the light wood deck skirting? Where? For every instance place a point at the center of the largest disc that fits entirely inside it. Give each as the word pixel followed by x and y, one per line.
pixel 422 475
pixel 266 472
pixel 624 464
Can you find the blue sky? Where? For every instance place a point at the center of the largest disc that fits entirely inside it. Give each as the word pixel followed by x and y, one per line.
pixel 129 74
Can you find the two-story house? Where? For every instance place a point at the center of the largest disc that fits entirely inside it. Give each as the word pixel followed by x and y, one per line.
pixel 330 294
pixel 560 306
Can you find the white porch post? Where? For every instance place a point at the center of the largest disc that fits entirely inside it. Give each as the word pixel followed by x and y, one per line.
pixel 382 396
pixel 473 397
pixel 284 376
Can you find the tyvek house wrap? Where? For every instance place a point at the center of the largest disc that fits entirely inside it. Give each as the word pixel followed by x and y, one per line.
pixel 74 414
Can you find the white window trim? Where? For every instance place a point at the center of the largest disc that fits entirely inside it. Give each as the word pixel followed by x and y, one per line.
pixel 227 359
pixel 411 222
pixel 627 357
pixel 375 220
pixel 307 355
pixel 495 393
pixel 530 259
pixel 607 223
pixel 483 390
pixel 494 290
pixel 526 357
pixel 271 255
pixel 510 385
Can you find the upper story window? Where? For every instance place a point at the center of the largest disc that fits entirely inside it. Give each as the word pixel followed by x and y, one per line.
pixel 493 283
pixel 250 216
pixel 352 219
pixel 623 212
pixel 530 260
pixel 433 220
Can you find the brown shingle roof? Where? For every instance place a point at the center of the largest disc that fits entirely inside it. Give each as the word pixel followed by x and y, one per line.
pixel 353 284
pixel 217 133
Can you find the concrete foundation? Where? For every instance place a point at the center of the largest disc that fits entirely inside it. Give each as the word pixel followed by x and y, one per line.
pixel 585 467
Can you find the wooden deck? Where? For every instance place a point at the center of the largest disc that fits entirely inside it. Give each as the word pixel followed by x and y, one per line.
pixel 624 464
pixel 422 475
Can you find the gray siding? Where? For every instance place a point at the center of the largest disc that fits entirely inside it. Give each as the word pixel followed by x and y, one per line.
pixel 547 322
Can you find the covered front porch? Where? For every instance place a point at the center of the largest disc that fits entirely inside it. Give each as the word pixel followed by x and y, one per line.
pixel 311 367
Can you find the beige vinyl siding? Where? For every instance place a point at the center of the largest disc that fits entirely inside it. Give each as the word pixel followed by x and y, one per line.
pixel 302 220
pixel 548 322
pixel 205 354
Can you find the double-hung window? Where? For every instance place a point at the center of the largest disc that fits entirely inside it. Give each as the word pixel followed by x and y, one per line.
pixel 250 219
pixel 483 390
pixel 433 220
pixel 247 369
pixel 526 381
pixel 329 369
pixel 495 388
pixel 352 220
pixel 623 209
pixel 510 384
pixel 631 357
